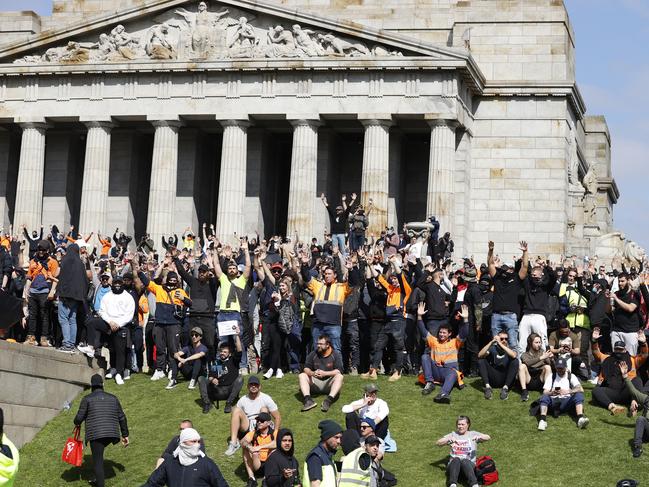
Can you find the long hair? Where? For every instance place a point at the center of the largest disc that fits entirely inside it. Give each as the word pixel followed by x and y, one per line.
pixel 530 340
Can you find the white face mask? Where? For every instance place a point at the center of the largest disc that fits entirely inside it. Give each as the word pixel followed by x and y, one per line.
pixel 188 454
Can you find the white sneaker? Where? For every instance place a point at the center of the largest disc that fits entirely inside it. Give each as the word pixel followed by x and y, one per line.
pixel 118 380
pixel 268 374
pixel 172 384
pixel 232 449
pixel 111 373
pixel 192 384
pixel 279 374
pixel 594 380
pixel 127 374
pixel 169 374
pixel 157 375
pixel 87 349
pixel 542 425
pixel 583 422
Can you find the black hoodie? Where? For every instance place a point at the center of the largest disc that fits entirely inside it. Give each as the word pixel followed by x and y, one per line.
pixel 278 460
pixel 73 281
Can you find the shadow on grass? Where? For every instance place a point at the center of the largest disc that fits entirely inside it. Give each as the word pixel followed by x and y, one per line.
pixel 620 425
pixel 241 472
pixel 440 464
pixel 85 472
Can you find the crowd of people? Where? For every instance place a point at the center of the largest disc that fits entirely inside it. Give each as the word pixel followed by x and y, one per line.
pixel 206 311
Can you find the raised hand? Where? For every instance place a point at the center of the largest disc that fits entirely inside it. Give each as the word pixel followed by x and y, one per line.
pixel 421 309
pixel 491 245
pixel 523 245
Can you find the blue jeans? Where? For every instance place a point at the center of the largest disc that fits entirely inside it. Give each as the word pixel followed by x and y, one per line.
pixel 339 240
pixel 332 331
pixel 234 316
pixel 506 322
pixel 435 373
pixel 564 404
pixel 68 320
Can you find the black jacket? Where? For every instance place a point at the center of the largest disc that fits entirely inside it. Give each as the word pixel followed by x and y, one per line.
pixel 435 299
pixel 274 469
pixel 202 293
pixel 73 281
pixel 103 415
pixel 203 473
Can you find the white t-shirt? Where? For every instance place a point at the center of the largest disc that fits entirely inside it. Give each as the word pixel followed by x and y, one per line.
pixel 252 407
pixel 464 446
pixel 566 381
pixel 377 411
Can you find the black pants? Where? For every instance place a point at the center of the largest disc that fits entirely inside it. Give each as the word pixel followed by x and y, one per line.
pixel 39 308
pixel 604 396
pixel 189 370
pixel 97 448
pixel 137 339
pixel 351 345
pixel 277 339
pixel 353 422
pixel 641 431
pixel 210 392
pixel 167 342
pixel 498 377
pixel 118 341
pixel 395 329
pixel 411 343
pixel 471 349
pixel 464 465
pixel 149 343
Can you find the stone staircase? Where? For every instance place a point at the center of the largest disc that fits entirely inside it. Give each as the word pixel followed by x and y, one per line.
pixel 36 383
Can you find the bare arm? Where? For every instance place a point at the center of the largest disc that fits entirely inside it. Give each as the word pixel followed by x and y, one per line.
pixel 490 260
pixel 522 272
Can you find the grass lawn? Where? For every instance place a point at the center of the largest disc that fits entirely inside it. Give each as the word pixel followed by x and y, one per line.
pixel 561 456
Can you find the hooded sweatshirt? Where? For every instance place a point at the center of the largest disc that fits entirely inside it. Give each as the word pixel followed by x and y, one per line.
pixel 278 460
pixel 73 282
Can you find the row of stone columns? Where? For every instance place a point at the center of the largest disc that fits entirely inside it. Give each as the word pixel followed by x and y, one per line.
pixel 232 184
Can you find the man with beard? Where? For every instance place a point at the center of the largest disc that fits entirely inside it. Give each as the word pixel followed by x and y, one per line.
pixel 319 466
pixel 611 392
pixel 626 319
pixel 282 468
pixel 223 381
pixel 166 332
pixel 39 293
pixel 73 289
pixel 115 314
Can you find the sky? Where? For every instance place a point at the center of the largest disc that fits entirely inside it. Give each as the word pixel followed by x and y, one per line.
pixel 611 38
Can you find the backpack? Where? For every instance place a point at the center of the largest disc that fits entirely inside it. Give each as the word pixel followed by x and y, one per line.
pixel 287 317
pixel 485 470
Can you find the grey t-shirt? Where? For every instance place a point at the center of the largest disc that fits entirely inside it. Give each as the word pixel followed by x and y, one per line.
pixel 252 407
pixel 464 446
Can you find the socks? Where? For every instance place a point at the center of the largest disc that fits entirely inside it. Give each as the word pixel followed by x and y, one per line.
pixel 331 399
pixel 544 417
pixel 307 398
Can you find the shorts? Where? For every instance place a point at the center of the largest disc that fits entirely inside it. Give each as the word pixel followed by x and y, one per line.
pixel 320 386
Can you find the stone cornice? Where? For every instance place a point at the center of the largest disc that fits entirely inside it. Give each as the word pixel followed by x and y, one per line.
pixel 610 186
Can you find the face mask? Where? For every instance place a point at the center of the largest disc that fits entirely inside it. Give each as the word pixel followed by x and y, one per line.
pixel 117 288
pixel 105 284
pixel 619 355
pixel 188 454
pixel 537 280
pixel 34 234
pixel 483 287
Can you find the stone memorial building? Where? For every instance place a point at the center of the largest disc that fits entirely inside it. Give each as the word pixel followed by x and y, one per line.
pixel 153 115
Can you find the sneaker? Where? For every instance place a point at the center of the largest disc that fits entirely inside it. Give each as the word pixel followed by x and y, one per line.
pixel 88 350
pixel 594 381
pixel 111 373
pixel 543 425
pixel 396 375
pixel 309 404
pixel 326 404
pixel 428 388
pixel 207 407
pixel 442 398
pixel 525 395
pixel 353 371
pixel 488 392
pixel 172 383
pixel 371 374
pixel 243 371
pixel 228 408
pixel 45 342
pixel 279 374
pixel 452 485
pixel 268 374
pixel 582 422
pixel 636 451
pixel 118 380
pixel 192 384
pixel 169 374
pixel 31 340
pixel 157 375
pixel 127 374
pixel 504 394
pixel 252 483
pixel 232 448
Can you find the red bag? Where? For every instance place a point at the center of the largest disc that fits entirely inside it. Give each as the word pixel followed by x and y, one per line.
pixel 485 470
pixel 73 449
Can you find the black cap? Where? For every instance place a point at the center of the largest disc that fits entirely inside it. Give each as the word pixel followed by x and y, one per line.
pixel 253 379
pixel 118 278
pixel 619 344
pixel 43 245
pixel 263 416
pixel 128 275
pixel 97 381
pixel 172 275
pixel 203 268
pixel 561 363
pixel 329 428
pixel 372 439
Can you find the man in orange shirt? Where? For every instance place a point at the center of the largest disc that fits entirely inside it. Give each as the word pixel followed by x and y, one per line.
pixel 39 293
pixel 257 445
pixel 442 363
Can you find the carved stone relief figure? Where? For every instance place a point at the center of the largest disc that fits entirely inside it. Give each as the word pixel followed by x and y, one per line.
pixel 201 24
pixel 340 47
pixel 157 46
pixel 305 44
pixel 244 40
pixel 281 43
pixel 123 42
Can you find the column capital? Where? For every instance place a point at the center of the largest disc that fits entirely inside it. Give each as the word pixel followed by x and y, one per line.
pixel 375 119
pixel 436 121
pixel 305 121
pixel 93 124
pixel 244 123
pixel 34 125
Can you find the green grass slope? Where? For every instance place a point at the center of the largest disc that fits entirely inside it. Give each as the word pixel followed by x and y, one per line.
pixel 561 456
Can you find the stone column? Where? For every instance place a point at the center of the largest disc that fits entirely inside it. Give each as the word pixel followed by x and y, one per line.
pixel 304 179
pixel 162 187
pixel 440 200
pixel 31 171
pixel 376 172
pixel 232 179
pixel 96 170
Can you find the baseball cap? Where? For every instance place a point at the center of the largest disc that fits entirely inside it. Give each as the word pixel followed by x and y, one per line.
pixel 263 416
pixel 278 266
pixel 619 344
pixel 372 440
pixel 203 268
pixel 198 330
pixel 253 379
pixel 369 388
pixel 561 363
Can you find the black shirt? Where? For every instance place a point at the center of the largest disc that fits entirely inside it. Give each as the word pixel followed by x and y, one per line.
pixel 327 364
pixel 625 321
pixel 507 286
pixel 537 294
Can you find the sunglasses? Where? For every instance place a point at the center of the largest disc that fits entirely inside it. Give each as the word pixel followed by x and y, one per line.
pixel 195 335
pixel 364 426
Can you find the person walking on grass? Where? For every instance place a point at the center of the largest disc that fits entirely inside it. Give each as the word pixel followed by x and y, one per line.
pixel 464 452
pixel 105 424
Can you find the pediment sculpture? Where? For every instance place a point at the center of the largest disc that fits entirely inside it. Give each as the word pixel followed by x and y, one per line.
pixel 617 246
pixel 203 35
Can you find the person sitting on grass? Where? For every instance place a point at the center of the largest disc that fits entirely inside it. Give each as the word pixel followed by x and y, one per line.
pixel 282 468
pixel 187 466
pixel 610 391
pixel 442 363
pixel 640 402
pixel 223 381
pixel 562 392
pixel 565 343
pixel 191 359
pixel 498 365
pixel 464 452
pixel 370 406
pixel 534 367
pixel 257 445
pixel 244 415
pixel 322 374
